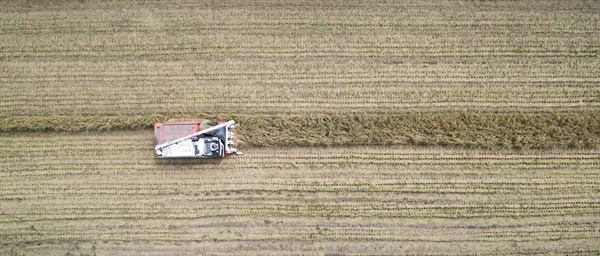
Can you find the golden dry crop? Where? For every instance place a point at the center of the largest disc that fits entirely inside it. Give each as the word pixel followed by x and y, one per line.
pixel 106 193
pixel 370 127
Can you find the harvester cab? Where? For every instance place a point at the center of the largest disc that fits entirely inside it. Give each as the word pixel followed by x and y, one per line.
pixel 186 140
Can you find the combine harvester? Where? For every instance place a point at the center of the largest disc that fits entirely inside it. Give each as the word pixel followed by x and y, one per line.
pixel 185 139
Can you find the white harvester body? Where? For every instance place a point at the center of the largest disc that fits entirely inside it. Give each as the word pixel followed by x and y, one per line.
pixel 184 140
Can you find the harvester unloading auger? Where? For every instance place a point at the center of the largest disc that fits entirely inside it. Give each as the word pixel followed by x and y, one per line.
pixel 185 139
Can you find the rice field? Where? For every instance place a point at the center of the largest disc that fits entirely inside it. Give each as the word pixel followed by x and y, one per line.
pixel 298 57
pixel 83 194
pixel 369 127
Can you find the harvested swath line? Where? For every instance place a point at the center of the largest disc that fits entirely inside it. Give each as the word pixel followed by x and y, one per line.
pixel 346 89
pixel 270 163
pixel 283 192
pixel 320 210
pixel 374 99
pixel 476 168
pixel 376 172
pixel 383 85
pixel 511 26
pixel 294 108
pixel 218 71
pixel 331 233
pixel 474 225
pixel 151 55
pixel 415 195
pixel 363 76
pixel 483 51
pixel 303 69
pixel 403 44
pixel 381 97
pixel 317 51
